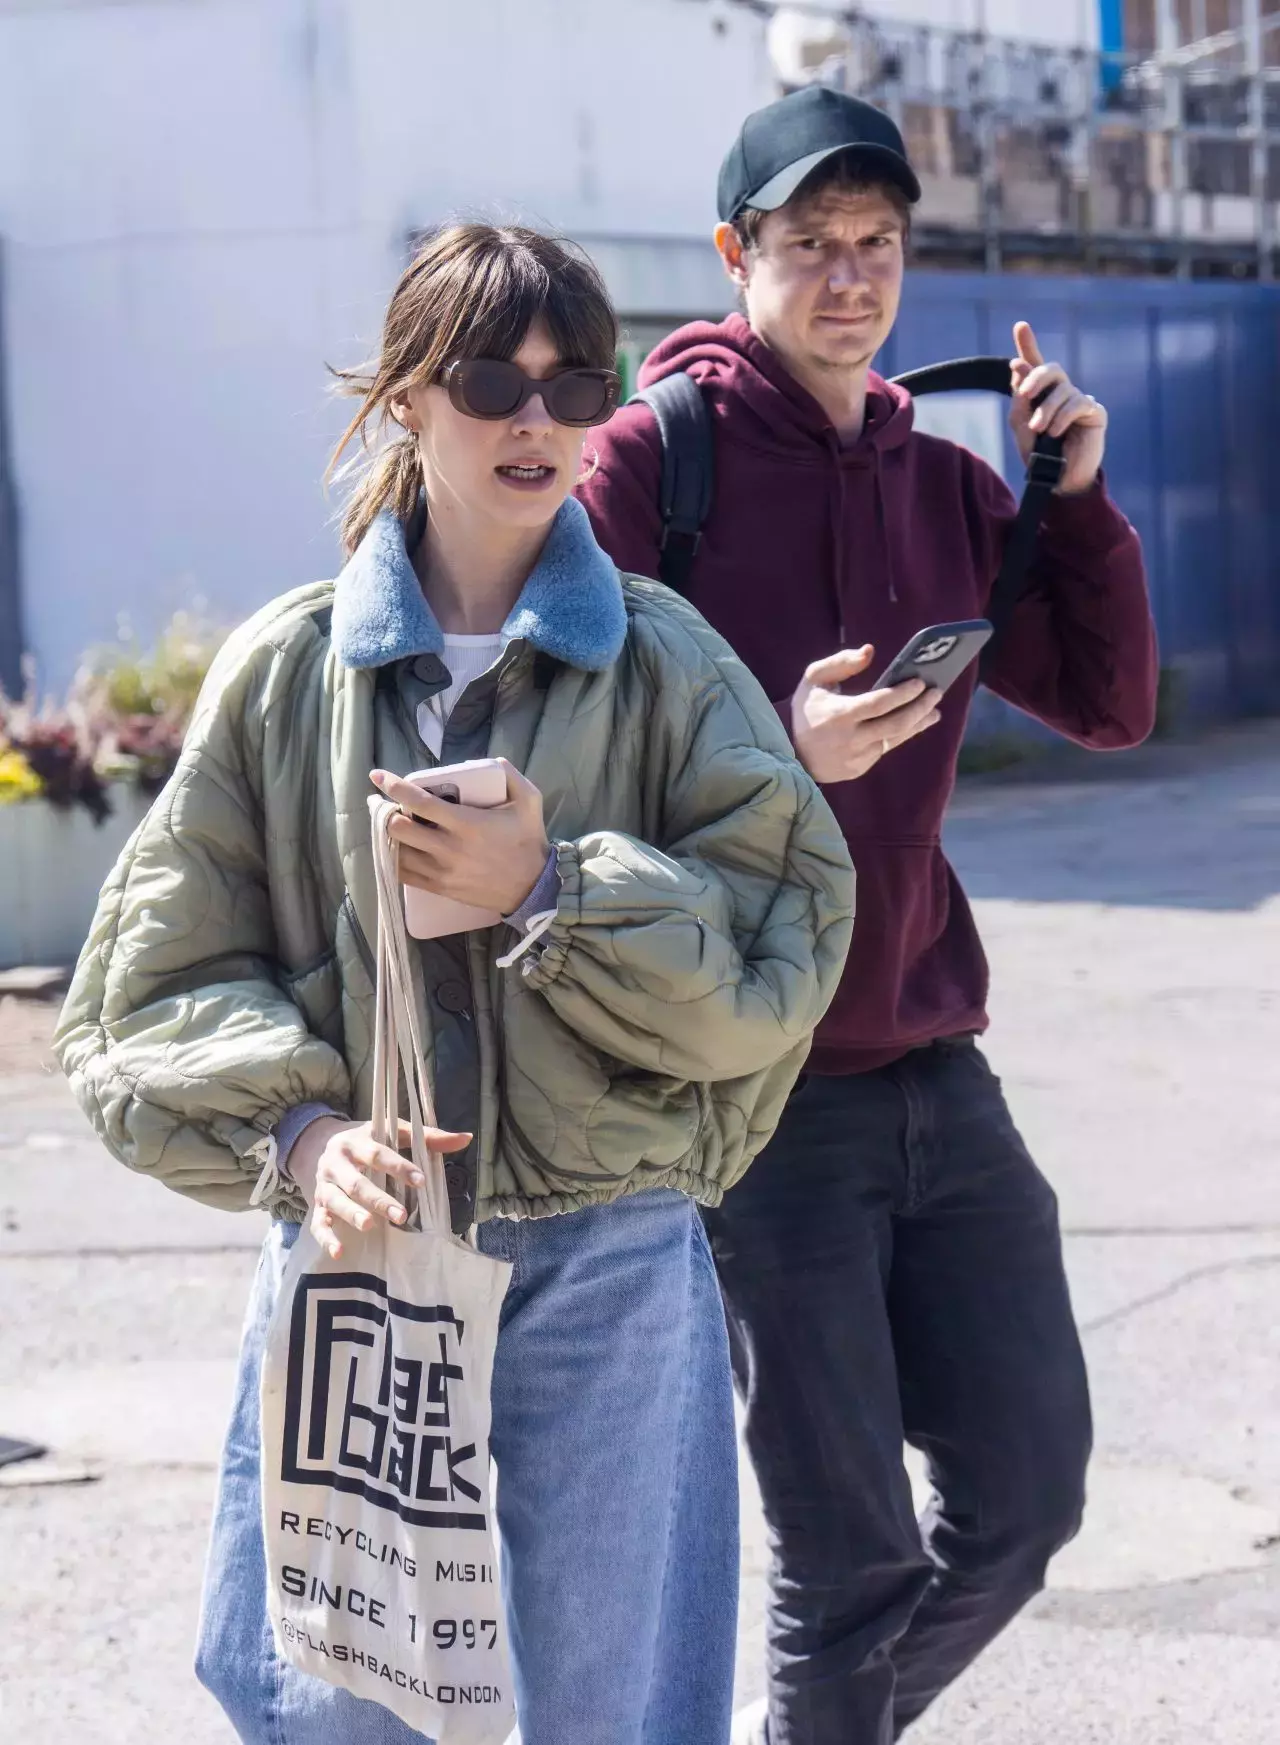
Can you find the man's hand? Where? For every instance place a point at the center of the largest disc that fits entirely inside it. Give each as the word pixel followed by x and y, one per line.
pixel 331 1162
pixel 839 738
pixel 490 856
pixel 1077 418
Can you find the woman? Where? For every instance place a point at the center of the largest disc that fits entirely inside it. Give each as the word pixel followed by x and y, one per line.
pixel 684 901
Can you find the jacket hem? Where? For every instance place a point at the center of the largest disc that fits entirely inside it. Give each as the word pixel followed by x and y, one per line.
pixel 699 1188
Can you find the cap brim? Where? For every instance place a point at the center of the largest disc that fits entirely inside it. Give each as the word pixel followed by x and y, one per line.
pixel 879 158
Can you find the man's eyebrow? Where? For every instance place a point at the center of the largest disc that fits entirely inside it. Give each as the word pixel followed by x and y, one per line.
pixel 888 226
pixel 808 222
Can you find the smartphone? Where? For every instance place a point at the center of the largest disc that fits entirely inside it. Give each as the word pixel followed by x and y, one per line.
pixel 482 782
pixel 939 654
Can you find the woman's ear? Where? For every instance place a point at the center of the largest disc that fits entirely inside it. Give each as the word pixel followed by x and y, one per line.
pixel 401 410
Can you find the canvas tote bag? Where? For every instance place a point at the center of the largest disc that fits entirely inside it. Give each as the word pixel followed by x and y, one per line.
pixel 382 1575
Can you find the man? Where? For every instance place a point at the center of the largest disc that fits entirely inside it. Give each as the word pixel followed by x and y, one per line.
pixel 891 1264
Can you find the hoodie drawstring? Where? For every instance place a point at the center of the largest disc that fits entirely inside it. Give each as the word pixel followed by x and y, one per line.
pixel 839 539
pixel 836 500
pixel 882 528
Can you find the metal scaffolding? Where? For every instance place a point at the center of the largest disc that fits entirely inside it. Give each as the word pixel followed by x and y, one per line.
pixel 1165 161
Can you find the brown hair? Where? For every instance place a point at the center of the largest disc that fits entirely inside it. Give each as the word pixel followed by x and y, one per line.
pixel 472 290
pixel 842 172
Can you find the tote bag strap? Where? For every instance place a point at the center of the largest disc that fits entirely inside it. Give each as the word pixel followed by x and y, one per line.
pixel 397 1036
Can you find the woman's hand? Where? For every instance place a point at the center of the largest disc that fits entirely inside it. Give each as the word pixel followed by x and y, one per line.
pixel 331 1161
pixel 489 856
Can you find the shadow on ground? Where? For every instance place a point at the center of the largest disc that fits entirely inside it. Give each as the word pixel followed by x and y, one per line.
pixel 1180 827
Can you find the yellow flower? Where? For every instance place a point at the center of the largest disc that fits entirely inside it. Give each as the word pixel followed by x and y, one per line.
pixel 18 781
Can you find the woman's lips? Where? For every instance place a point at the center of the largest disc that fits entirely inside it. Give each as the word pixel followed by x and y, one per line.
pixel 535 476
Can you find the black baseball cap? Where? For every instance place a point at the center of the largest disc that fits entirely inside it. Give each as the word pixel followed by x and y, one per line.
pixel 780 145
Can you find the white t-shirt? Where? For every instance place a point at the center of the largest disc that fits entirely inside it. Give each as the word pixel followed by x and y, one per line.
pixel 466 657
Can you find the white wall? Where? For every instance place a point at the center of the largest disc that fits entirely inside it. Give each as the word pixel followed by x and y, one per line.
pixel 1073 23
pixel 202 201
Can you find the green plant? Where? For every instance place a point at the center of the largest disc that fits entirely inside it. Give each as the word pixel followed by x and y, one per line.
pixel 143 699
pixel 124 720
pixel 165 680
pixel 50 750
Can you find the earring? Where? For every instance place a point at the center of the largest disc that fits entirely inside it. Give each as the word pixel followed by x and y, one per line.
pixel 593 468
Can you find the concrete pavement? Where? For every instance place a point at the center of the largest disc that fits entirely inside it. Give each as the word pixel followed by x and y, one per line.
pixel 1133 920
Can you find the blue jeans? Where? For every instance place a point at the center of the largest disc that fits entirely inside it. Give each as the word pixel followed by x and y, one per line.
pixel 892 1269
pixel 613 1437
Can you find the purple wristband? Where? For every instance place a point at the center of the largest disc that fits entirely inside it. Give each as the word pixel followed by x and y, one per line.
pixel 544 895
pixel 292 1125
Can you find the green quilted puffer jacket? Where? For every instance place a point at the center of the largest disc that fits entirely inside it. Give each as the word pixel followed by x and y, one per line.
pixel 651 1038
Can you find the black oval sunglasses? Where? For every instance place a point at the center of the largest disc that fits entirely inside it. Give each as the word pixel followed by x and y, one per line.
pixel 490 387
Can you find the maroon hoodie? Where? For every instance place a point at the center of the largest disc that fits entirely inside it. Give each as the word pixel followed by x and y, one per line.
pixel 812 546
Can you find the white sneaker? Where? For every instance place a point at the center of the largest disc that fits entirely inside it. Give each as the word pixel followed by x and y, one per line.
pixel 750 1726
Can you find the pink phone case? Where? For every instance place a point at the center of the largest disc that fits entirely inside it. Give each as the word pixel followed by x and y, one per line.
pixel 482 782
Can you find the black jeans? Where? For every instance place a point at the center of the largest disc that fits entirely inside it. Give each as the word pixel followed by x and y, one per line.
pixel 892 1270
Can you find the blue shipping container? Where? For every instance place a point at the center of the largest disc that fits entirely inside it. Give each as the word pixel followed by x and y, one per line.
pixel 1187 372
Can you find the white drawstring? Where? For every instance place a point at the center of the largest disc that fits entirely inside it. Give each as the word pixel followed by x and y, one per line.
pixel 538 925
pixel 270 1179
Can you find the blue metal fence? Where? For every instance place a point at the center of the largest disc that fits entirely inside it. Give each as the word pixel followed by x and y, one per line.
pixel 1190 374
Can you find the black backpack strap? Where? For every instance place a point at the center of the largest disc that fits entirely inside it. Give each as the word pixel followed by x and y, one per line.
pixel 1044 471
pixel 684 427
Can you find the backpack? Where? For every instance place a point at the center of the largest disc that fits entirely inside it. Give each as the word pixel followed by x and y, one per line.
pixel 688 471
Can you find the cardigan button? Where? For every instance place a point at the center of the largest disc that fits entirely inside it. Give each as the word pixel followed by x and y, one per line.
pixel 455 997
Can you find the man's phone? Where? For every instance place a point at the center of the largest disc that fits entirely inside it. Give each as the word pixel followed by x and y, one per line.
pixel 482 782
pixel 938 655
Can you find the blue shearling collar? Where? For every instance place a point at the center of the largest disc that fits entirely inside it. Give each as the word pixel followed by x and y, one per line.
pixel 571 606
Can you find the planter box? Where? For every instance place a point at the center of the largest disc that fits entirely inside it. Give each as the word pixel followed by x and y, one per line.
pixel 52 867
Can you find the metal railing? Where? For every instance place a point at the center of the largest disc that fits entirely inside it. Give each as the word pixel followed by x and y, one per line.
pixel 1167 162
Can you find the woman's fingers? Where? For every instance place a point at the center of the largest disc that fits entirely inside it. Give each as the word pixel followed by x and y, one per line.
pixel 367 1195
pixel 409 833
pixel 360 1150
pixel 519 787
pixel 344 1183
pixel 340 1205
pixel 443 814
pixel 323 1231
pixel 438 1139
pixel 343 1191
pixel 419 870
